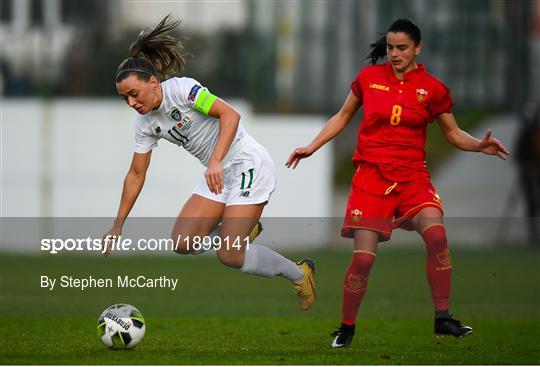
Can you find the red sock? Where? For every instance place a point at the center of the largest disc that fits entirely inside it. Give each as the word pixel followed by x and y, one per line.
pixel 355 284
pixel 438 265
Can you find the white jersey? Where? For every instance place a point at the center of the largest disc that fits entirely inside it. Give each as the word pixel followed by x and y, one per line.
pixel 178 121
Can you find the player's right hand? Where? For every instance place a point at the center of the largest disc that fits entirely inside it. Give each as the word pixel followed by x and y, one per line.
pixel 297 155
pixel 109 239
pixel 214 176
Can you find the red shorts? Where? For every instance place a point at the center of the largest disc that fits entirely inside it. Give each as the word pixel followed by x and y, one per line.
pixel 381 205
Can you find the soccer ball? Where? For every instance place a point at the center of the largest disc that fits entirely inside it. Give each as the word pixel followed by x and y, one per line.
pixel 121 326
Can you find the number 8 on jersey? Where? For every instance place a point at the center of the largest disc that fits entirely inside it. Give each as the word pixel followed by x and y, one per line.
pixel 395 119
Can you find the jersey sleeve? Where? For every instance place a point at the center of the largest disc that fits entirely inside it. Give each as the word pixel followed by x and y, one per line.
pixel 442 101
pixel 356 86
pixel 145 141
pixel 192 94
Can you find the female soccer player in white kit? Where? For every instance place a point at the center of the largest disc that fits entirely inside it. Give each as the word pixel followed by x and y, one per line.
pixel 240 175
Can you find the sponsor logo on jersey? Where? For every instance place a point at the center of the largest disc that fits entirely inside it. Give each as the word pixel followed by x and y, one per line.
pixel 176 115
pixel 158 130
pixel 193 92
pixel 421 94
pixel 380 87
pixel 185 123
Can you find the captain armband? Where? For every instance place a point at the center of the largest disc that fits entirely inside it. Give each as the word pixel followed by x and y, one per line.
pixel 205 101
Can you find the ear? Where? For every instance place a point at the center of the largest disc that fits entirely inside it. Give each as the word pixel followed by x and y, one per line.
pixel 154 82
pixel 418 48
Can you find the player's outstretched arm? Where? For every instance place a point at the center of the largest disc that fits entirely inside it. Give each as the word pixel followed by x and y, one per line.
pixel 133 184
pixel 333 127
pixel 461 140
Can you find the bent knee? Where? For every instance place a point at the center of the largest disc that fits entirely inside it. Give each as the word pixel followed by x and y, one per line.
pixel 180 247
pixel 435 236
pixel 232 259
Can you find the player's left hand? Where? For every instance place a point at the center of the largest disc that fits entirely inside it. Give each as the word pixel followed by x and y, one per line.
pixel 297 155
pixel 214 176
pixel 492 146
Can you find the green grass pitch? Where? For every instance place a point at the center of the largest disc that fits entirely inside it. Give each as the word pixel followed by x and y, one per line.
pixel 220 316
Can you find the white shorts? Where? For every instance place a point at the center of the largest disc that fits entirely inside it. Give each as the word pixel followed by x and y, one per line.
pixel 249 178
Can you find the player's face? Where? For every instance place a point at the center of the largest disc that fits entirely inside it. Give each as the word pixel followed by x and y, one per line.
pixel 402 51
pixel 142 96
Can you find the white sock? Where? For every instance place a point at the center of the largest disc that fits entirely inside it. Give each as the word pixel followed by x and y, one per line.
pixel 212 235
pixel 260 260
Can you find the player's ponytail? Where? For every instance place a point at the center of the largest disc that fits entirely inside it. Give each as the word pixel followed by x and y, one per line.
pixel 154 53
pixel 378 49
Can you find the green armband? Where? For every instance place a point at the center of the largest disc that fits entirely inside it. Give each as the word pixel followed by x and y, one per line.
pixel 205 101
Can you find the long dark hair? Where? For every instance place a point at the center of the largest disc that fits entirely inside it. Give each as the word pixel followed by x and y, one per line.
pixel 378 49
pixel 155 53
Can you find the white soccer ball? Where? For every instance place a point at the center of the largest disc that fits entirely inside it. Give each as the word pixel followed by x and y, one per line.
pixel 121 326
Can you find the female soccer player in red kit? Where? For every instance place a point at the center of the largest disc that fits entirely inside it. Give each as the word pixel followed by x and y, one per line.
pixel 391 187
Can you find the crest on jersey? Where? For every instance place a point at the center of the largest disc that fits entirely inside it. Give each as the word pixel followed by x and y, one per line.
pixel 421 94
pixel 176 115
pixel 356 214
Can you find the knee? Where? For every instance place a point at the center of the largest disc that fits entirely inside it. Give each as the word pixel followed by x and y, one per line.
pixel 232 259
pixel 180 247
pixel 363 261
pixel 435 236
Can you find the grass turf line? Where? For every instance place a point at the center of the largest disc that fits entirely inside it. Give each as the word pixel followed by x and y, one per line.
pixel 269 341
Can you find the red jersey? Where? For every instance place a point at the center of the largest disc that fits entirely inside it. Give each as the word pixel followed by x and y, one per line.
pixel 392 133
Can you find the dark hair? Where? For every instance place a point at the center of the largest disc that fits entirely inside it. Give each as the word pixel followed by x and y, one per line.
pixel 378 49
pixel 154 53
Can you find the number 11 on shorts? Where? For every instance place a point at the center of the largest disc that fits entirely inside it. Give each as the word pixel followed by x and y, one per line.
pixel 243 185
